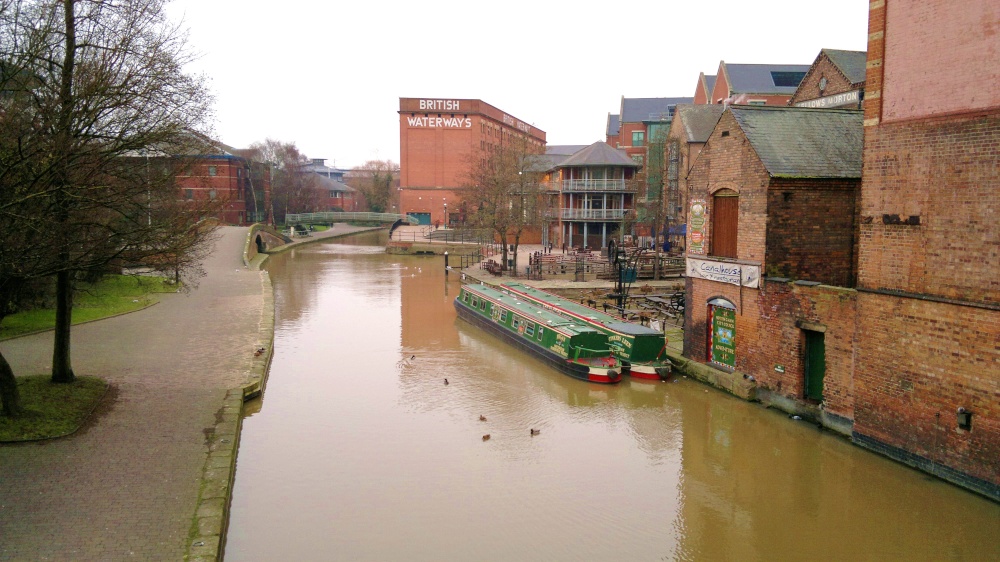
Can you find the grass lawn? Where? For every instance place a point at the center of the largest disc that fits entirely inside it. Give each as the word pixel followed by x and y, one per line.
pixel 51 410
pixel 320 227
pixel 115 294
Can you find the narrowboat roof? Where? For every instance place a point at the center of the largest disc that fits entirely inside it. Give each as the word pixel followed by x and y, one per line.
pixel 530 310
pixel 608 320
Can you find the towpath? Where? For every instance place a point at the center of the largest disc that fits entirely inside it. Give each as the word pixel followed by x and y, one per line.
pixel 125 487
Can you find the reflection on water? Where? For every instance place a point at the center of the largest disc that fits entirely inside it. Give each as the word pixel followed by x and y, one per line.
pixel 359 451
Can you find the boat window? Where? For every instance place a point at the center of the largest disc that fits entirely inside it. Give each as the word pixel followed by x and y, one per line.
pixel 539 333
pixel 466 297
pixel 516 322
pixel 475 303
pixel 530 330
pixel 503 316
pixel 482 305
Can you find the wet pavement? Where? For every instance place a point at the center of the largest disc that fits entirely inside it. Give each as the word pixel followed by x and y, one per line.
pixel 126 487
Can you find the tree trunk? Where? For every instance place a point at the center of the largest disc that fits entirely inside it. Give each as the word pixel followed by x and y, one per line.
pixel 9 395
pixel 62 369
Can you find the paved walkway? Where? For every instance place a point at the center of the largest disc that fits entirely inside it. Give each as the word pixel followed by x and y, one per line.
pixel 125 487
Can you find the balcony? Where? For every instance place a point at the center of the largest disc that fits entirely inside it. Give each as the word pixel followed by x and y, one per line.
pixel 593 185
pixel 592 214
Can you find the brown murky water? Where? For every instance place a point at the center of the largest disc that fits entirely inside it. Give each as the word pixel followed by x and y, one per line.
pixel 358 452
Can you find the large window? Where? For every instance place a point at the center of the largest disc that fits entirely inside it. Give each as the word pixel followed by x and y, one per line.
pixel 638 138
pixel 724 223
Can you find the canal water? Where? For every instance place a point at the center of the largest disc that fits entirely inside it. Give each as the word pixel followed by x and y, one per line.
pixel 360 451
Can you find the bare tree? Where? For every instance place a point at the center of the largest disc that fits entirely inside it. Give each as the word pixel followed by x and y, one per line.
pixel 97 94
pixel 293 188
pixel 375 180
pixel 504 194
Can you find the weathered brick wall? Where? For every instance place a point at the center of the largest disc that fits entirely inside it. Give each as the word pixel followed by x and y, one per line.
pixel 727 161
pixel 836 82
pixel 940 59
pixel 918 362
pixel 811 230
pixel 945 171
pixel 779 340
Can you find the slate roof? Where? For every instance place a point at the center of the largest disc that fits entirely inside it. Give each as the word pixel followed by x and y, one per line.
pixel 554 155
pixel 614 126
pixel 757 78
pixel 710 83
pixel 333 185
pixel 639 110
pixel 699 120
pixel 851 63
pixel 797 142
pixel 598 154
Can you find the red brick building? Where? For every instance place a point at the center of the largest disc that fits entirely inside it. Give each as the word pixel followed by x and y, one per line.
pixel 754 84
pixel 835 79
pixel 438 141
pixel 703 91
pixel 927 375
pixel 689 131
pixel 770 241
pixel 240 186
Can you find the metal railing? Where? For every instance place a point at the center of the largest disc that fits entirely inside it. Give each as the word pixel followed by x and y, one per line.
pixel 592 214
pixel 332 217
pixel 593 185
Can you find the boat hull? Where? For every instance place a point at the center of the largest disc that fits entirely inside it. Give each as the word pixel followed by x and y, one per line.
pixel 567 367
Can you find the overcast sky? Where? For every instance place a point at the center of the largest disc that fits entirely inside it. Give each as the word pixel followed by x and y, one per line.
pixel 328 75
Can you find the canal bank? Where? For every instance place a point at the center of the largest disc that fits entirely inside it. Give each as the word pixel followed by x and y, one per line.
pixel 149 476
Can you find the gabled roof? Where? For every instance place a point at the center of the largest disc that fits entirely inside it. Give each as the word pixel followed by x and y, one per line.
pixel 640 110
pixel 613 125
pixel 764 78
pixel 598 154
pixel 851 63
pixel 699 120
pixel 333 185
pixel 710 83
pixel 797 142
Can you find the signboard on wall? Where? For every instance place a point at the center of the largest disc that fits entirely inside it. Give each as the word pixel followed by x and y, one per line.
pixel 723 336
pixel 724 272
pixel 699 225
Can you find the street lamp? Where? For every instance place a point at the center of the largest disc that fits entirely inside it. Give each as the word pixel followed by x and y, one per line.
pixel 446 215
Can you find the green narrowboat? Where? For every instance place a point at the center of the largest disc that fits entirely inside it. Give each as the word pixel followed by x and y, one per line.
pixel 570 346
pixel 640 349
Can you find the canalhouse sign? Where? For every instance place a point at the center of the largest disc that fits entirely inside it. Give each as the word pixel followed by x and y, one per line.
pixel 836 100
pixel 724 272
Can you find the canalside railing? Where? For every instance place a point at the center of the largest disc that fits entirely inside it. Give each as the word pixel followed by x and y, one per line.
pixel 346 216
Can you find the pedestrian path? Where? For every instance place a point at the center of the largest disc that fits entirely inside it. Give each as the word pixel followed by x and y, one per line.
pixel 125 486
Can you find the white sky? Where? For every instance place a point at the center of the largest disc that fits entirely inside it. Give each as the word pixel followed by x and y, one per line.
pixel 328 75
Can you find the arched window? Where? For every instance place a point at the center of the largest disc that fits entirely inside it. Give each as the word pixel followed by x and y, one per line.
pixel 724 223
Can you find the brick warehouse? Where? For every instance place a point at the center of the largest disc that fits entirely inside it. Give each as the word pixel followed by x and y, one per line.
pixel 904 322
pixel 438 140
pixel 927 378
pixel 773 194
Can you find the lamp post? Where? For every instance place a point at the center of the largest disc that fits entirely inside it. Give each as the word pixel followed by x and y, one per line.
pixel 445 215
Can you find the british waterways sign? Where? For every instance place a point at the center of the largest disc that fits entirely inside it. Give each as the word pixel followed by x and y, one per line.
pixel 724 272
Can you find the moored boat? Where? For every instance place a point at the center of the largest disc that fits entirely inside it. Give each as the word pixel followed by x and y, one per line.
pixel 641 350
pixel 572 347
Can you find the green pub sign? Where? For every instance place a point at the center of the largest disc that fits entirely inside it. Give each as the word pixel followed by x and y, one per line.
pixel 723 339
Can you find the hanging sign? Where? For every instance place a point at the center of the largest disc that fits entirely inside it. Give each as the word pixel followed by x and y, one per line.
pixel 699 224
pixel 724 272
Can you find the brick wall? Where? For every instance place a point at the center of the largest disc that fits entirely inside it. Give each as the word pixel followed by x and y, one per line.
pixel 918 362
pixel 939 59
pixel 944 171
pixel 811 230
pixel 836 82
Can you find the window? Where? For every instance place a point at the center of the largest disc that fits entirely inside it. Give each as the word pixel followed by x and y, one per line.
pixel 503 316
pixel 638 138
pixel 213 171
pixel 475 302
pixel 482 305
pixel 211 194
pixel 466 299
pixel 638 159
pixel 724 223
pixel 757 102
pixel 540 333
pixel 530 330
pixel 189 194
pixel 787 79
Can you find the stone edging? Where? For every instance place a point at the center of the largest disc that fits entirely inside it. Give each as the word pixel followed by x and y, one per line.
pixel 207 535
